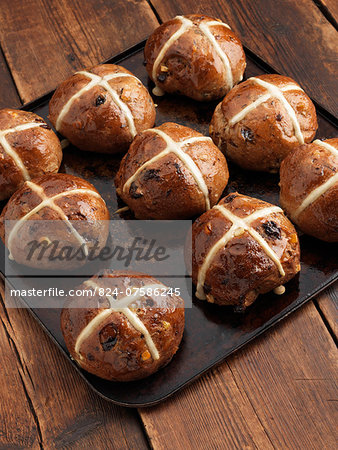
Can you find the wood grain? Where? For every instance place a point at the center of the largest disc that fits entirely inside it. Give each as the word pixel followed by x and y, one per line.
pixel 328 305
pixel 9 97
pixel 18 428
pixel 294 37
pixel 278 392
pixel 45 402
pixel 265 396
pixel 330 9
pixel 46 41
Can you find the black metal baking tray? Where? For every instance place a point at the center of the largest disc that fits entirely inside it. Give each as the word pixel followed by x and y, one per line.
pixel 212 333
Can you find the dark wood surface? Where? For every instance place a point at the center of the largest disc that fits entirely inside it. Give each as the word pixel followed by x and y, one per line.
pixel 272 394
pixel 292 36
pixel 279 391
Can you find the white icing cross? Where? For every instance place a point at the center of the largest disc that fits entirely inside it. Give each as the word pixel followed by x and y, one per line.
pixel 49 201
pixel 237 228
pixel 319 190
pixel 276 92
pixel 96 80
pixel 187 24
pixel 120 305
pixel 176 148
pixel 10 150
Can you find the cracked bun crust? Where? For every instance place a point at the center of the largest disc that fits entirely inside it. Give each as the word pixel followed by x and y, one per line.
pixel 102 109
pixel 261 120
pixel 241 248
pixel 28 149
pixel 309 188
pixel 171 172
pixel 123 338
pixel 54 208
pixel 196 56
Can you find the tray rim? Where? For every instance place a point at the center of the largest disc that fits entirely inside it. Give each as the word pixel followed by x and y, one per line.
pixel 271 323
pixel 118 58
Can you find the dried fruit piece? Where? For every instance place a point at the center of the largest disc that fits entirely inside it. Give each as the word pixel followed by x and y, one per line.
pixel 100 100
pixel 108 337
pixel 248 134
pixel 145 355
pixel 272 229
pixel 166 325
pixel 133 191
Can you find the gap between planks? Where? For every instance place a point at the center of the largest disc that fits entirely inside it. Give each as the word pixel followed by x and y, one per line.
pixel 327 306
pixel 262 397
pixel 48 390
pixel 325 10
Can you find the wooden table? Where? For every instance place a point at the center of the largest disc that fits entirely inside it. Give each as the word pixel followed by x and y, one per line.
pixel 278 392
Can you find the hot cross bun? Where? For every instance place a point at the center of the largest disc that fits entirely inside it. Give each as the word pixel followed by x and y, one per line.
pixel 196 56
pixel 28 148
pixel 241 248
pixel 79 221
pixel 102 109
pixel 171 172
pixel 309 188
pixel 121 336
pixel 261 120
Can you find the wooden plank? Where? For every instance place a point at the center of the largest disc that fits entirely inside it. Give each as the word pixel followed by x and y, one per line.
pixel 45 402
pixel 18 430
pixel 330 10
pixel 8 95
pixel 211 413
pixel 328 305
pixel 278 392
pixel 45 42
pixel 294 37
pixel 57 407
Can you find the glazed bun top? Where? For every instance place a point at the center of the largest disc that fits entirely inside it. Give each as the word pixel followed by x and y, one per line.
pixel 63 189
pixel 60 197
pixel 123 337
pixel 196 56
pixel 171 172
pixel 242 247
pixel 28 148
pixel 20 120
pixel 261 120
pixel 309 188
pixel 317 167
pixel 101 108
pixel 299 119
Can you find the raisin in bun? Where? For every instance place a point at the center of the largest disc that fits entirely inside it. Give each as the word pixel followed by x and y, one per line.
pixel 309 188
pixel 102 109
pixel 28 148
pixel 196 56
pixel 54 208
pixel 241 248
pixel 171 172
pixel 261 120
pixel 123 337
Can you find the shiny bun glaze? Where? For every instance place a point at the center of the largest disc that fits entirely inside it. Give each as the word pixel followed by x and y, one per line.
pixel 171 172
pixel 101 109
pixel 196 56
pixel 309 188
pixel 79 215
pixel 261 120
pixel 124 338
pixel 28 149
pixel 241 248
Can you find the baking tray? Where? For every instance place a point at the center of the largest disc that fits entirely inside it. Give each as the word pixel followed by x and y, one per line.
pixel 212 333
